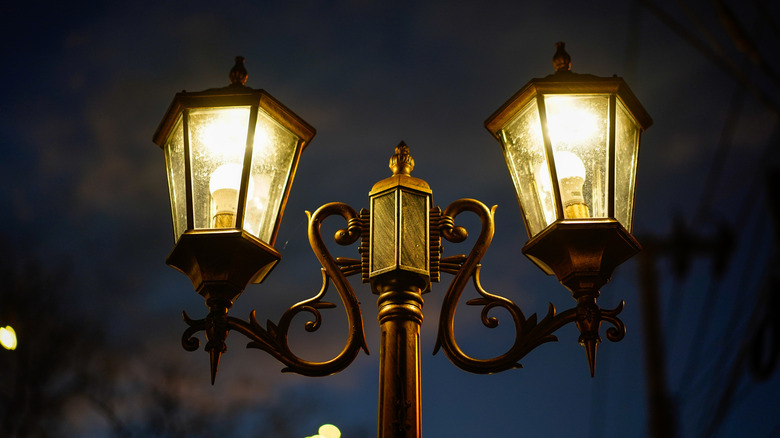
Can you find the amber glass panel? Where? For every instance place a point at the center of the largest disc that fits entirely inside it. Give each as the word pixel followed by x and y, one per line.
pixel 383 232
pixel 174 163
pixel 217 147
pixel 577 127
pixel 273 154
pixel 414 231
pixel 626 151
pixel 524 153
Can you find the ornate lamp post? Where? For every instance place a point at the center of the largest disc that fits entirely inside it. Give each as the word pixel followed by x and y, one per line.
pixel 574 180
pixel 230 157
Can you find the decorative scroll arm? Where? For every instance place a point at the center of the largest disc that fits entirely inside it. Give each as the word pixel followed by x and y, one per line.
pixel 529 332
pixel 273 337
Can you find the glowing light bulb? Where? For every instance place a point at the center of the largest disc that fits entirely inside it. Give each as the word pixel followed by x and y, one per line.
pixel 571 174
pixel 224 185
pixel 571 177
pixel 8 338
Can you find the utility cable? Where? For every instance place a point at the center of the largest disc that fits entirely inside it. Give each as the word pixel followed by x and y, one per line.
pixel 725 141
pixel 718 59
pixel 743 41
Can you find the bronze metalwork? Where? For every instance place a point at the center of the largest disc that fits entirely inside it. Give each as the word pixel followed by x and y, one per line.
pixel 400 255
pixel 273 338
pixel 581 250
pixel 400 314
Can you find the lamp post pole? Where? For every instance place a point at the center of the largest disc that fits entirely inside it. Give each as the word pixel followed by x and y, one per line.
pixel 400 316
pixel 399 270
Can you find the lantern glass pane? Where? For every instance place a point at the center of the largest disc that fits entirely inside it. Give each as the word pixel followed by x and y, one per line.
pixel 273 154
pixel 174 164
pixel 414 231
pixel 217 147
pixel 383 232
pixel 626 150
pixel 524 153
pixel 577 126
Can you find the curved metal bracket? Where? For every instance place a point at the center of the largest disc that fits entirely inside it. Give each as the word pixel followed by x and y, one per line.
pixel 273 338
pixel 529 332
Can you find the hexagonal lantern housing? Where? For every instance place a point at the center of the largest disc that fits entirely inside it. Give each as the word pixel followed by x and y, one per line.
pixel 230 157
pixel 571 143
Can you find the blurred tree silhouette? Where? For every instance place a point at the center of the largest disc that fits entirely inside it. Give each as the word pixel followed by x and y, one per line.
pixel 64 379
pixel 51 365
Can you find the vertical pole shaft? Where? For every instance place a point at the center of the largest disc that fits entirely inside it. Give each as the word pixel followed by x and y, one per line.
pixel 661 412
pixel 400 316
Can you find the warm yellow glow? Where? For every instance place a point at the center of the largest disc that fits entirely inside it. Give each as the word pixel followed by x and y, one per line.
pixel 329 431
pixel 569 165
pixel 224 134
pixel 8 338
pixel 259 189
pixel 224 131
pixel 262 145
pixel 574 126
pixel 571 177
pixel 227 176
pixel 570 123
pixel 224 185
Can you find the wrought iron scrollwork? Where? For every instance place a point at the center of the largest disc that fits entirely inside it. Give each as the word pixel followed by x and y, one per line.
pixel 529 332
pixel 273 337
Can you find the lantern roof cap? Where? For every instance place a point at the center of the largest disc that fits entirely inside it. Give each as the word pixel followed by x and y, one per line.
pixel 235 94
pixel 565 81
pixel 401 164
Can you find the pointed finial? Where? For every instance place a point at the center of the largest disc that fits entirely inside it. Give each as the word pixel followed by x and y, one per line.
pixel 590 351
pixel 588 322
pixel 401 163
pixel 561 59
pixel 214 355
pixel 216 332
pixel 238 74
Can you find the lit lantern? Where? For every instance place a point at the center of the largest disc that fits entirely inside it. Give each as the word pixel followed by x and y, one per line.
pixel 230 156
pixel 571 143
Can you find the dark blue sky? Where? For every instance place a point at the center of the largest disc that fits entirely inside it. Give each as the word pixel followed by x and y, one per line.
pixel 83 184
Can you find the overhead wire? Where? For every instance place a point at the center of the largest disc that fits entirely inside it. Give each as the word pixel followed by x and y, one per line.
pixel 720 60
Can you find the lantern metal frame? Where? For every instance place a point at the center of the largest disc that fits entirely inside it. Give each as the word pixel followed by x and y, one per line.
pixel 581 252
pixel 195 248
pixel 566 82
pixel 400 289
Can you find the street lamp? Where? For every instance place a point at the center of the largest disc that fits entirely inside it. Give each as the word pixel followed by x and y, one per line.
pixel 570 141
pixel 230 157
